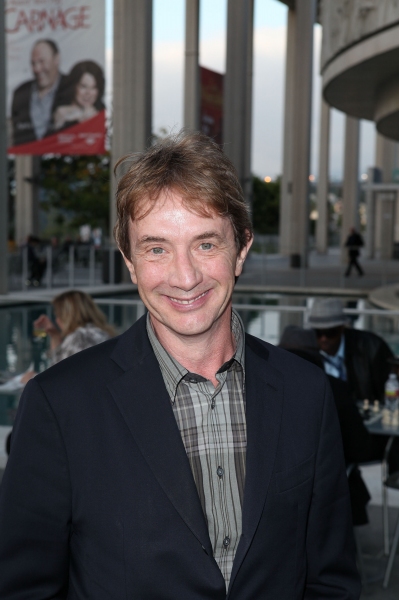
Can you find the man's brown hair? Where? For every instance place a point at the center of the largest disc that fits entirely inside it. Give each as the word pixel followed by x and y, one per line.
pixel 191 164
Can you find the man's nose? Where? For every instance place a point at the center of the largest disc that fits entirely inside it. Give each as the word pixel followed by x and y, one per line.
pixel 185 272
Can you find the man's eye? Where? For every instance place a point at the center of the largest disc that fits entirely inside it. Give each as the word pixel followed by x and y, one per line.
pixel 156 250
pixel 206 246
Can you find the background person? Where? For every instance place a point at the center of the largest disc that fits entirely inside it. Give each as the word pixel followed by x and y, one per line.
pixel 37 262
pixel 354 242
pixel 355 437
pixel 79 324
pixel 360 358
pixel 34 101
pixel 86 80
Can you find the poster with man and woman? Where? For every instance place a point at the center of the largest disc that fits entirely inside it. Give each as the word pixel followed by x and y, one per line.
pixel 55 76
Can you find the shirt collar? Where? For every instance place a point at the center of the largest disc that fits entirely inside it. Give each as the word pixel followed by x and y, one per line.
pixel 173 372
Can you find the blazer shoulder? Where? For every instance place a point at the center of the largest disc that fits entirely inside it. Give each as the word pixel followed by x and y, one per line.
pixel 89 365
pixel 287 363
pixel 101 362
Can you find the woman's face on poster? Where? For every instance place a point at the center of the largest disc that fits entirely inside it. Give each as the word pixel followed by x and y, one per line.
pixel 86 91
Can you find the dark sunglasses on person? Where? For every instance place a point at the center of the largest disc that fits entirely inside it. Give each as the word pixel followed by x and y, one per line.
pixel 329 333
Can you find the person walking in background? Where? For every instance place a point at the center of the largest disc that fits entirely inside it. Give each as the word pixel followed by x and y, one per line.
pixel 354 242
pixel 37 262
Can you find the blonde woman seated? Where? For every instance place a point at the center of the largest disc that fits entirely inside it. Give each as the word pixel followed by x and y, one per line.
pixel 79 325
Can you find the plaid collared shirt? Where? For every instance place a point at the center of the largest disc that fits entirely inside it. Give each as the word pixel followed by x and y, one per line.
pixel 212 425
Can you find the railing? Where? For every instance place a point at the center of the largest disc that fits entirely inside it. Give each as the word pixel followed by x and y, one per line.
pixel 70 266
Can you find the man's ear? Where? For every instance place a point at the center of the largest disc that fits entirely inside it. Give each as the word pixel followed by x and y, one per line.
pixel 242 255
pixel 130 267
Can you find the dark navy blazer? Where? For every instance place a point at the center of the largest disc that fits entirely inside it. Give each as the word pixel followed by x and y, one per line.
pixel 98 499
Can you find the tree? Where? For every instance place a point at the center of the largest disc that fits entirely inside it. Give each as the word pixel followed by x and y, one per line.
pixel 75 191
pixel 266 206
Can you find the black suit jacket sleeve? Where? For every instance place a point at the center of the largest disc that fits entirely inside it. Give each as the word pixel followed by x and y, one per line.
pixel 329 543
pixel 35 521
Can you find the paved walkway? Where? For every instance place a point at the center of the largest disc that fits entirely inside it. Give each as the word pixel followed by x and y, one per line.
pixel 325 271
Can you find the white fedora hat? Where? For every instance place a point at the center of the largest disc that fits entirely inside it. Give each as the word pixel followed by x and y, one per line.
pixel 327 313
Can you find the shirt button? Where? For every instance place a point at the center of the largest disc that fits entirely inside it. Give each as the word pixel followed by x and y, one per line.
pixel 220 471
pixel 226 541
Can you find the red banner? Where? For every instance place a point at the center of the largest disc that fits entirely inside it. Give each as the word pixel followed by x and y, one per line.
pixel 55 76
pixel 83 138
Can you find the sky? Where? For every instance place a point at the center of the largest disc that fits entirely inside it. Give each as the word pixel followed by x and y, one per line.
pixel 268 83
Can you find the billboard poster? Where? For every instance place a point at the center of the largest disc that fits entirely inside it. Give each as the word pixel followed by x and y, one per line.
pixel 55 76
pixel 212 104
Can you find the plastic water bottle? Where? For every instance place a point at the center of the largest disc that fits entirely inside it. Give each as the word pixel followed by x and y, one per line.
pixel 392 392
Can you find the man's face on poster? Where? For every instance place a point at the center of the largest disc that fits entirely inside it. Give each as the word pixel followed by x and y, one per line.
pixel 45 63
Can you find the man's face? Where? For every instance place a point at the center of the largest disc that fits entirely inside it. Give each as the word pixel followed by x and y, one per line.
pixel 329 339
pixel 44 65
pixel 184 265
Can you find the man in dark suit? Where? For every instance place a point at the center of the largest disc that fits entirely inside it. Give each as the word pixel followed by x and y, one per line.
pixel 360 358
pixel 183 459
pixel 34 101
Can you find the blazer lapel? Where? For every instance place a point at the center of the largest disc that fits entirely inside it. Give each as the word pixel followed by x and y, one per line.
pixel 264 402
pixel 141 397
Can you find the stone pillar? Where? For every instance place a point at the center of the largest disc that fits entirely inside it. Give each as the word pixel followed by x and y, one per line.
pixel 3 162
pixel 305 18
pixel 132 84
pixel 237 105
pixel 27 171
pixel 370 214
pixel 350 187
pixel 322 186
pixel 396 226
pixel 385 156
pixel 286 179
pixel 385 208
pixel 192 87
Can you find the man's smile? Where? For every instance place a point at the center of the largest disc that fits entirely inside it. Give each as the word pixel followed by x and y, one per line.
pixel 190 301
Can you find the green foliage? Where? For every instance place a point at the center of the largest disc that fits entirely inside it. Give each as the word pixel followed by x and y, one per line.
pixel 75 191
pixel 266 206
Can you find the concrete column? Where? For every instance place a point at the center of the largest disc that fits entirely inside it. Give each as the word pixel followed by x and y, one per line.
pixel 132 84
pixel 370 214
pixel 192 86
pixel 322 186
pixel 305 18
pixel 386 156
pixel 27 170
pixel 237 118
pixel 3 162
pixel 396 227
pixel 350 188
pixel 385 208
pixel 286 180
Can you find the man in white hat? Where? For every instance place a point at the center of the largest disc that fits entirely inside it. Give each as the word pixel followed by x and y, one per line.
pixel 361 358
